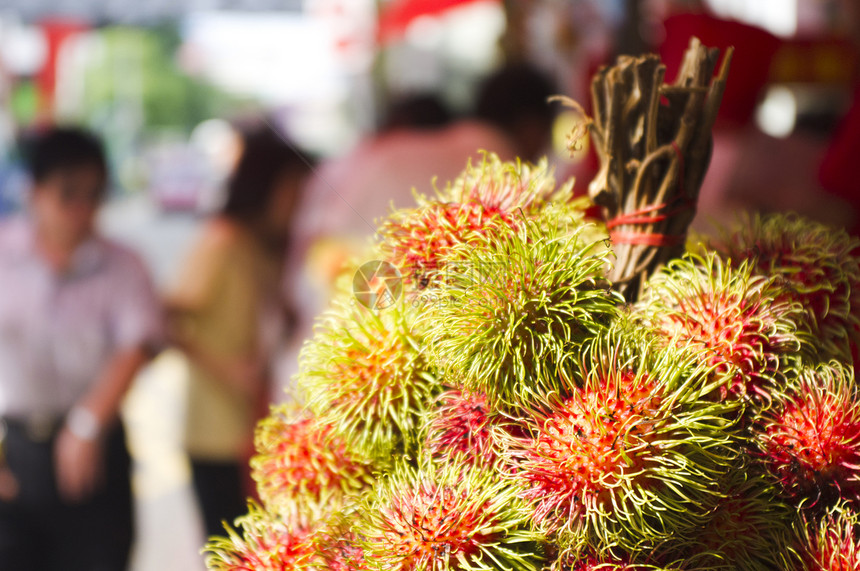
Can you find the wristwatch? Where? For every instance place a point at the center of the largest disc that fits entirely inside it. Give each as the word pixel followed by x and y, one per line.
pixel 82 423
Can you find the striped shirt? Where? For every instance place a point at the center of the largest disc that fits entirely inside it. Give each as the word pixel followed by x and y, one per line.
pixel 58 331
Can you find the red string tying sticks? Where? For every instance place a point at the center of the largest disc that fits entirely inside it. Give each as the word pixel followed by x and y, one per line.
pixel 652 214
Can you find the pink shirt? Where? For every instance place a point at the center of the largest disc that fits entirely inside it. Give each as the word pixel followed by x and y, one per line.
pixel 58 331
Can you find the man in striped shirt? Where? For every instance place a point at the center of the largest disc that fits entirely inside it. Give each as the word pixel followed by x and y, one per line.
pixel 78 318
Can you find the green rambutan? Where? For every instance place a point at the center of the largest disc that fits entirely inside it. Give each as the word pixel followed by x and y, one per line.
pixel 266 543
pixel 447 517
pixel 810 439
pixel 736 322
pixel 366 373
pixel 511 323
pixel 833 543
pixel 461 426
pixel 632 457
pixel 302 467
pixel 487 196
pixel 749 527
pixel 817 265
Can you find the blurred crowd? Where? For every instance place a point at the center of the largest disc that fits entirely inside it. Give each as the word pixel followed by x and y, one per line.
pixel 81 316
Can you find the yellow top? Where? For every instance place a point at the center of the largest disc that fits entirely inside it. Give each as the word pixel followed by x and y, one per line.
pixel 225 288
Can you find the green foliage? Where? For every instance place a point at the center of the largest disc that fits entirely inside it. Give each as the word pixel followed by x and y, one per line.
pixel 136 68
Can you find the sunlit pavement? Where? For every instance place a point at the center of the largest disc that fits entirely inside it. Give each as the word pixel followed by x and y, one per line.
pixel 169 533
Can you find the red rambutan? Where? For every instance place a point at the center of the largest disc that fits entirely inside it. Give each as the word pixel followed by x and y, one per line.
pixel 833 543
pixel 339 548
pixel 487 196
pixel 816 265
pixel 735 322
pixel 595 563
pixel 266 543
pixel 461 426
pixel 302 466
pixel 810 439
pixel 631 458
pixel 447 517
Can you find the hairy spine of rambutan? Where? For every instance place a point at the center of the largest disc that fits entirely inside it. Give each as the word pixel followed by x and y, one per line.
pixel 485 197
pixel 512 321
pixel 810 438
pixel 447 517
pixel 631 456
pixel 749 528
pixel 816 265
pixel 338 547
pixel 507 186
pixel 265 543
pixel 366 372
pixel 595 563
pixel 461 426
pixel 831 543
pixel 303 467
pixel 735 322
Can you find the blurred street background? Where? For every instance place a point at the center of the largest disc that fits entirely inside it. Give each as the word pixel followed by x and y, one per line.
pixel 167 83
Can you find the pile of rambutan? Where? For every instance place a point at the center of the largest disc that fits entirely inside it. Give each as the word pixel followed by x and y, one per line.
pixel 509 410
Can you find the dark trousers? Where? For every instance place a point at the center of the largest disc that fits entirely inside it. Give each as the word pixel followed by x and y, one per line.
pixel 40 532
pixel 218 487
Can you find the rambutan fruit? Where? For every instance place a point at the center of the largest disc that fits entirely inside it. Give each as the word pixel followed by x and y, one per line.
pixel 734 321
pixel 810 438
pixel 443 517
pixel 632 457
pixel 303 467
pixel 590 562
pixel 461 426
pixel 366 373
pixel 265 543
pixel 749 528
pixel 338 547
pixel 486 196
pixel 511 323
pixel 831 543
pixel 816 265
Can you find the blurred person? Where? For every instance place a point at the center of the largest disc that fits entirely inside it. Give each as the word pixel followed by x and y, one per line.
pixel 78 319
pixel 227 316
pixel 749 170
pixel 422 111
pixel 417 146
pixel 838 170
pixel 514 100
pixel 415 150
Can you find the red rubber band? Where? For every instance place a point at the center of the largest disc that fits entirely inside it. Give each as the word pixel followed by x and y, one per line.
pixel 648 215
pixel 646 239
